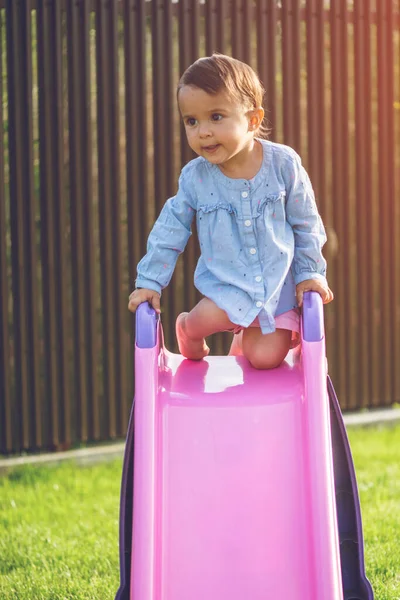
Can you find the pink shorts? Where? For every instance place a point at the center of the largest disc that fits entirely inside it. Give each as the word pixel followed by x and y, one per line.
pixel 288 320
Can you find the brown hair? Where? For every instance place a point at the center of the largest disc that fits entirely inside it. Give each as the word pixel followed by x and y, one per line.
pixel 218 73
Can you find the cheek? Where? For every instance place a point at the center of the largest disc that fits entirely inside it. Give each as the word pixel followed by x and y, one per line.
pixel 231 131
pixel 191 137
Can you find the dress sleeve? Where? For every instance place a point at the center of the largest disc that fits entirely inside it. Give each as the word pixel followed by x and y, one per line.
pixel 167 239
pixel 302 214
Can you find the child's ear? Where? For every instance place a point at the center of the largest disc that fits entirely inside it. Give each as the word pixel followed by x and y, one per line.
pixel 255 117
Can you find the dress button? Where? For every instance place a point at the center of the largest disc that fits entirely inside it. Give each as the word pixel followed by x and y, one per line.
pixel 245 194
pixel 258 278
pixel 253 250
pixel 259 304
pixel 247 222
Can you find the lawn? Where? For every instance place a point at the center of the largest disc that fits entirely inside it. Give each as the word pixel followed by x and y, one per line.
pixel 59 524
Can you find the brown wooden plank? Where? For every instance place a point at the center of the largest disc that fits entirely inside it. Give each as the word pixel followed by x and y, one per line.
pixel 137 139
pixel 340 192
pixel 26 289
pixel 6 411
pixel 104 136
pixel 50 268
pixel 362 58
pixel 386 193
pixel 188 53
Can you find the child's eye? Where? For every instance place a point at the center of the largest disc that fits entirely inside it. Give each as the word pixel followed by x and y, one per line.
pixel 191 121
pixel 216 117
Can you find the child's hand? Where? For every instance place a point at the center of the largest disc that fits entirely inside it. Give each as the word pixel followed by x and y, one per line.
pixel 313 285
pixel 143 295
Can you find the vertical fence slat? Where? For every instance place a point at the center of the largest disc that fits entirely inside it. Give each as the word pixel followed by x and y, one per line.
pixel 386 190
pixel 362 61
pixel 84 301
pixel 287 73
pixel 62 224
pixel 6 433
pixel 391 222
pixel 77 199
pixel 295 73
pixel 160 119
pixel 248 29
pixel 48 228
pixel 193 245
pixel 188 53
pixel 92 417
pixel 23 223
pixel 222 25
pixel 315 94
pixel 241 23
pixel 384 241
pixel 262 44
pixel 316 106
pixel 339 187
pixel 168 148
pixel 396 219
pixel 266 19
pixel 53 225
pixel 106 185
pixel 349 206
pixel 136 130
pixel 159 107
pixel 114 209
pixel 236 28
pixel 195 29
pixel 137 145
pixel 211 16
pixel 185 60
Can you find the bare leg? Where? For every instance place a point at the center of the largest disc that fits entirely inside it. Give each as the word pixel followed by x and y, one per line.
pixel 192 328
pixel 236 346
pixel 263 351
pixel 266 351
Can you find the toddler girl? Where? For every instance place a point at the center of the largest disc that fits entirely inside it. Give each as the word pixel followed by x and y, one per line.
pixel 259 229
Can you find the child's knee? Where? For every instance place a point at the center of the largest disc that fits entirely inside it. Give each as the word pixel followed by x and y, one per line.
pixel 259 359
pixel 266 352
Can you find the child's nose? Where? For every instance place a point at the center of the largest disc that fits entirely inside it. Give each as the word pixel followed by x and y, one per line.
pixel 204 130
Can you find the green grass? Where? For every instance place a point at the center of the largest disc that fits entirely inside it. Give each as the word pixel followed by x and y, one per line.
pixel 59 525
pixel 59 532
pixel 376 454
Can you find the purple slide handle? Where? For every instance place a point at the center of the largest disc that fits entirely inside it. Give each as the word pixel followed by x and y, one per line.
pixel 146 326
pixel 313 321
pixel 313 317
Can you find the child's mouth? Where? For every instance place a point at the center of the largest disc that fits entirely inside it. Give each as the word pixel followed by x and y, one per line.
pixel 211 149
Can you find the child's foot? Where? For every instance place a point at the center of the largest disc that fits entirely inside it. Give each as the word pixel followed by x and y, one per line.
pixel 189 348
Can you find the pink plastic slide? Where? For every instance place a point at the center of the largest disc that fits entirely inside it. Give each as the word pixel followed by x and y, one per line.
pixel 238 484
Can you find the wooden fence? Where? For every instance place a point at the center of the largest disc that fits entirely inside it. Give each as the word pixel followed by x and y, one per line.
pixel 91 147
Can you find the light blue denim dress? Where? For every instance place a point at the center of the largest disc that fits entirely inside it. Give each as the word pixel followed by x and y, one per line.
pixel 258 238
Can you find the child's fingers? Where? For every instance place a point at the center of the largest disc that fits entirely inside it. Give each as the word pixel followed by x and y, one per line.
pixel 139 296
pixel 323 292
pixel 313 286
pixel 304 286
pixel 133 302
pixel 299 297
pixel 155 302
pixel 328 296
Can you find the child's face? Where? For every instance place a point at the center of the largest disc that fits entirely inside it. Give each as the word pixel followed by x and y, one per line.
pixel 217 127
